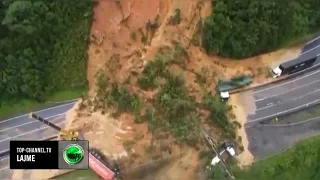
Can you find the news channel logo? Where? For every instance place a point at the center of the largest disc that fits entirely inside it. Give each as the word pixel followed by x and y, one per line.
pixel 73 154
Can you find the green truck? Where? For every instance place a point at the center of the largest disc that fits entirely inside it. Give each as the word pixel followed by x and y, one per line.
pixel 224 86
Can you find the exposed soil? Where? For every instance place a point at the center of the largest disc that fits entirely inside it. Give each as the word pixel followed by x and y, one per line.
pixel 117 48
pixel 121 56
pixel 245 158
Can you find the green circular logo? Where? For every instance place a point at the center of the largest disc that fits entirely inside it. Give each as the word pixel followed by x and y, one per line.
pixel 73 154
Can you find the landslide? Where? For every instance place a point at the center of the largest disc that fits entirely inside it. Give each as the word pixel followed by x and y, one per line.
pixel 146 63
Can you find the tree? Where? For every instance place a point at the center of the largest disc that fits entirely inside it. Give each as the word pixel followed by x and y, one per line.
pixel 43 47
pixel 246 28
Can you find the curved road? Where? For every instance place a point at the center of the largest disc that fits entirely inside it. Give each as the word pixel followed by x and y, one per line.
pixel 23 128
pixel 289 95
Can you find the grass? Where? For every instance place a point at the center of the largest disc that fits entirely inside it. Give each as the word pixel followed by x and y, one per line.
pixel 78 174
pixel 66 95
pixel 304 115
pixel 24 105
pixel 300 162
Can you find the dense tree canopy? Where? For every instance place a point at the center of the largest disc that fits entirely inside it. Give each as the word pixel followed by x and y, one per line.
pixel 43 46
pixel 243 28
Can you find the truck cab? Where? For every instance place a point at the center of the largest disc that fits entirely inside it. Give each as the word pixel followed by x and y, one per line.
pixel 224 95
pixel 276 72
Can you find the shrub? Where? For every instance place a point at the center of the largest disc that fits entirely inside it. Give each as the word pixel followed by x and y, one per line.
pixel 219 113
pixel 133 36
pixel 125 101
pixel 246 28
pixel 176 18
pixel 152 70
pixel 175 106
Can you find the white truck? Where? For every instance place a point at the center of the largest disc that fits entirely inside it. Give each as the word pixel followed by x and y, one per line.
pixel 293 66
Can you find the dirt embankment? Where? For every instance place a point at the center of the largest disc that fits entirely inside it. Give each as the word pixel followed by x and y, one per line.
pixel 121 46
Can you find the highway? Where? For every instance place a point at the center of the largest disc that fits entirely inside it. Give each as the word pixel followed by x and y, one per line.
pixel 311 44
pixel 270 101
pixel 289 95
pixel 23 128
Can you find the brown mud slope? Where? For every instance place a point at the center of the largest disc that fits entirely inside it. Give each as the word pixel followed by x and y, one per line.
pixel 117 48
pixel 114 23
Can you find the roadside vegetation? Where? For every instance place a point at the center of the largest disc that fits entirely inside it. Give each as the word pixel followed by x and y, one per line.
pixel 246 28
pixel 172 109
pixel 78 175
pixel 22 106
pixel 300 162
pixel 311 113
pixel 43 49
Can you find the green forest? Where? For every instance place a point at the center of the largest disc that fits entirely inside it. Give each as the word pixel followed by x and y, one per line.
pixel 299 163
pixel 44 42
pixel 244 28
pixel 43 47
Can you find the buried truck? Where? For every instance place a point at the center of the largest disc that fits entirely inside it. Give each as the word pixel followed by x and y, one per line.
pixel 293 66
pixel 224 86
pixel 106 169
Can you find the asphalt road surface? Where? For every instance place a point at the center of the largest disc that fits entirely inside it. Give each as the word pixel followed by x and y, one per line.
pixel 23 128
pixel 266 140
pixel 311 44
pixel 24 119
pixel 289 95
pixel 31 131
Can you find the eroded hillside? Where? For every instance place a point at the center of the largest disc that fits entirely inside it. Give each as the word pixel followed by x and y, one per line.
pixel 138 50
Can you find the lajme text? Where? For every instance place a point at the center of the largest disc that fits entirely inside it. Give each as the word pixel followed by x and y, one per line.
pixel 26 158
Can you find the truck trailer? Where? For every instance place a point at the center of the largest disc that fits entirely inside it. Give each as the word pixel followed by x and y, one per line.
pixel 97 162
pixel 293 66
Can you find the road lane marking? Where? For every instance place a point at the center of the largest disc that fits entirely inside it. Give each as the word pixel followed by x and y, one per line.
pixel 31 121
pixel 5 157
pixel 250 121
pixel 313 40
pixel 27 133
pixel 309 50
pixel 301 77
pixel 280 102
pixel 284 91
pixel 38 112
pixel 7 167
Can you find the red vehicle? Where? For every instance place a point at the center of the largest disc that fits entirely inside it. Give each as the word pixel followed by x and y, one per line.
pixel 97 161
pixel 100 168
